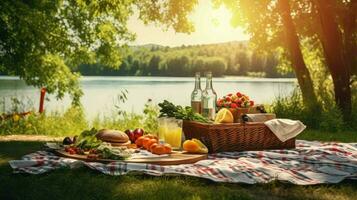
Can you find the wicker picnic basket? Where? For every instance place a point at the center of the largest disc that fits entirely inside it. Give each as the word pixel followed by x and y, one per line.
pixel 235 136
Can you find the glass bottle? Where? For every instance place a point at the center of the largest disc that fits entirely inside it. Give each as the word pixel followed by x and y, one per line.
pixel 209 98
pixel 196 95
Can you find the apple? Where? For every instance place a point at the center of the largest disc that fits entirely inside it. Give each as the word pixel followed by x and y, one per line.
pixel 138 133
pixel 131 135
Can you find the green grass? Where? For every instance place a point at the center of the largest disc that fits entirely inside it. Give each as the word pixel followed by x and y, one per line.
pixel 84 183
pixel 343 136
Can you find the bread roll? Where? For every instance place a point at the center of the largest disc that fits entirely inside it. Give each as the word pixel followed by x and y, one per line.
pixel 108 135
pixel 120 144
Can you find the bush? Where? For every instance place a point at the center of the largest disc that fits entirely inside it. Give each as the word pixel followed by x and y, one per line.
pixel 70 122
pixel 73 121
pixel 325 116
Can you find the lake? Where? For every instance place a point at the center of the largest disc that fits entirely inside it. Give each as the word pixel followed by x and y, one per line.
pixel 101 93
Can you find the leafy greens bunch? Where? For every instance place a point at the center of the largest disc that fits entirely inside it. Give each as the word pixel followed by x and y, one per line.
pixel 87 139
pixel 168 109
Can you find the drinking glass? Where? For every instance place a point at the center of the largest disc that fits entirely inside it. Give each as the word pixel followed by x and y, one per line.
pixel 162 126
pixel 173 133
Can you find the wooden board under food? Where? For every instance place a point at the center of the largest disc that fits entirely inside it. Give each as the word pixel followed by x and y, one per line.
pixel 175 158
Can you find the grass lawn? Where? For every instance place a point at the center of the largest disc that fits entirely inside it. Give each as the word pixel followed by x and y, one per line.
pixel 84 183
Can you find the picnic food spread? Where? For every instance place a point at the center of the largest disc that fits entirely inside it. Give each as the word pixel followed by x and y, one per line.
pixel 98 144
pixel 182 139
pixel 108 144
pixel 209 125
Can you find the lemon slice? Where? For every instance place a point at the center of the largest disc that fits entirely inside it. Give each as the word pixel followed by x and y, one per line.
pixel 224 116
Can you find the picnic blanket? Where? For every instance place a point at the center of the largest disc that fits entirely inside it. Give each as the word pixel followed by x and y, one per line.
pixel 310 163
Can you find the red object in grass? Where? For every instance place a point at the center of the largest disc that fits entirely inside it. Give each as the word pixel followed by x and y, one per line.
pixel 42 100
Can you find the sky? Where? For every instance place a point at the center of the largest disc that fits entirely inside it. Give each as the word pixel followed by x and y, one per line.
pixel 211 26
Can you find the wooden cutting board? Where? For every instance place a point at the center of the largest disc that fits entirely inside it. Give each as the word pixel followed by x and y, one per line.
pixel 175 158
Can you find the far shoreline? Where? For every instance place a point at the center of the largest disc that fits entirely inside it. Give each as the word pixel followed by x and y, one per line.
pixel 170 78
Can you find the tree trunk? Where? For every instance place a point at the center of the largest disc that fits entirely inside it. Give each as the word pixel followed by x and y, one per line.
pixel 333 47
pixel 293 47
pixel 350 36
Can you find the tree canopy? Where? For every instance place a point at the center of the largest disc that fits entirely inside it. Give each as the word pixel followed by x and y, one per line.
pixel 43 41
pixel 298 28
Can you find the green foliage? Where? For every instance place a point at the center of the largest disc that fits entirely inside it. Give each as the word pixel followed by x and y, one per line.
pixel 121 99
pixel 42 42
pixel 71 122
pixel 232 58
pixel 122 122
pixel 353 123
pixel 285 26
pixel 168 109
pixel 325 118
pixel 151 113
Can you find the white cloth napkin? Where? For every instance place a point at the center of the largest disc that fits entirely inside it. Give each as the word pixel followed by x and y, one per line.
pixel 260 117
pixel 285 129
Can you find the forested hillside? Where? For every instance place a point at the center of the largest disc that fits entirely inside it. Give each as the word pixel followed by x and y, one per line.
pixel 232 58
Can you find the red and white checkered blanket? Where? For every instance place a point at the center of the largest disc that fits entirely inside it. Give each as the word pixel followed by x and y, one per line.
pixel 310 163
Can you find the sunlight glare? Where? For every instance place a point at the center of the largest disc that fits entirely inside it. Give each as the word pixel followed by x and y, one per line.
pixel 212 25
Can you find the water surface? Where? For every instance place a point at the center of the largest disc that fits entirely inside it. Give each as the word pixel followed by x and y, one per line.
pixel 100 93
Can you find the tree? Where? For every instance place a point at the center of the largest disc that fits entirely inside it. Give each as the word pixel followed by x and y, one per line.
pixel 270 25
pixel 332 26
pixel 244 63
pixel 216 66
pixel 135 67
pixel 270 66
pixel 154 65
pixel 335 56
pixel 43 41
pixel 295 54
pixel 349 23
pixel 257 62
